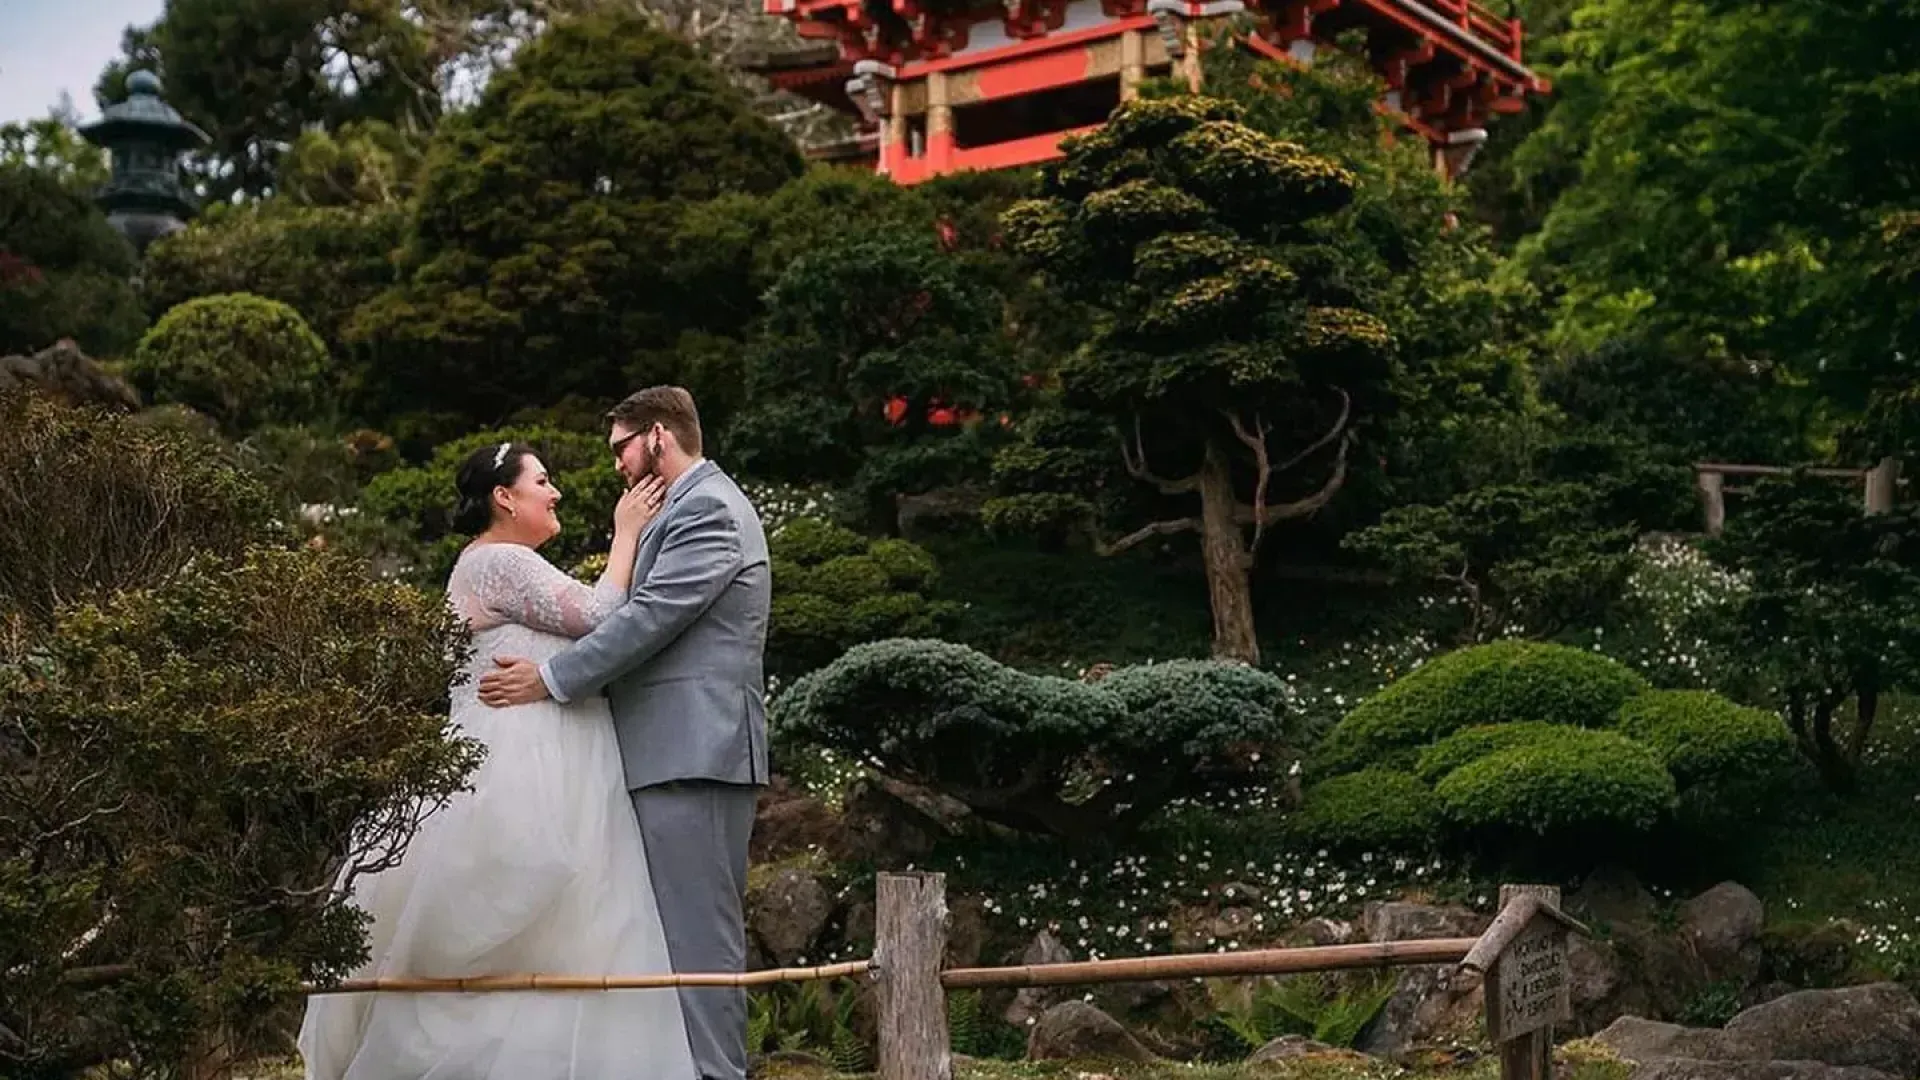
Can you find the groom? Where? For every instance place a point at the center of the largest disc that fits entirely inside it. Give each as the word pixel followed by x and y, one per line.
pixel 682 665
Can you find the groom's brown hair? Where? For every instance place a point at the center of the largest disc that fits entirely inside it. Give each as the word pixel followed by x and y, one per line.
pixel 669 406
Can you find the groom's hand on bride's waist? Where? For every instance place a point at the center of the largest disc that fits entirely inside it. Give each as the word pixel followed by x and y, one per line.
pixel 513 681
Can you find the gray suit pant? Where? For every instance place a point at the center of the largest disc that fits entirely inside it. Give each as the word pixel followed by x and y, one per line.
pixel 696 833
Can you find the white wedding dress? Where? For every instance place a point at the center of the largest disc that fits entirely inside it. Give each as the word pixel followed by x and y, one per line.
pixel 538 869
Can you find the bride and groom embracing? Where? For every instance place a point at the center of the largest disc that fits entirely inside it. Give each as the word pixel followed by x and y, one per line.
pixel 607 830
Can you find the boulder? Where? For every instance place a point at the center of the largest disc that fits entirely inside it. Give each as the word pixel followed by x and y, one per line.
pixel 790 822
pixel 1287 1047
pixel 1031 1001
pixel 1426 1008
pixel 1876 1025
pixel 1723 926
pixel 1396 920
pixel 1683 1069
pixel 966 931
pixel 891 823
pixel 1612 895
pixel 787 914
pixel 1319 931
pixel 1856 1033
pixel 62 372
pixel 1651 1040
pixel 1076 1031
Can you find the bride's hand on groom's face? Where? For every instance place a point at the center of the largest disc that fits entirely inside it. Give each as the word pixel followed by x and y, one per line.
pixel 640 505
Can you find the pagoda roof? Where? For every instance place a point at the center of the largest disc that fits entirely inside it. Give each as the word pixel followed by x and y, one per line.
pixel 144 116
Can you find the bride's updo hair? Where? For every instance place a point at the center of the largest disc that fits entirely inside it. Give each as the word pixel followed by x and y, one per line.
pixel 487 468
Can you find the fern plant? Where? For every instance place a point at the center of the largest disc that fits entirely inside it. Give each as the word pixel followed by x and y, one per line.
pixel 1312 1005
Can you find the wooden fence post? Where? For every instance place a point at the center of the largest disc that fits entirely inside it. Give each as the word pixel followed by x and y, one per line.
pixel 1713 499
pixel 1527 990
pixel 910 944
pixel 1881 480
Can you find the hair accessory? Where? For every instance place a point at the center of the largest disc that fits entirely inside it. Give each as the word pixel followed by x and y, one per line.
pixel 500 455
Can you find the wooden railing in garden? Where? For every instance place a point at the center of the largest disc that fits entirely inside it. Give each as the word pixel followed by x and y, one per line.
pixel 1521 960
pixel 1710 480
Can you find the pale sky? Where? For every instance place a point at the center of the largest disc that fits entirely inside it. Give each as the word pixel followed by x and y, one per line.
pixel 47 46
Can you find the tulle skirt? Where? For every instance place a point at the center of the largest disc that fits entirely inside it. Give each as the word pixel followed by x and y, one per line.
pixel 539 869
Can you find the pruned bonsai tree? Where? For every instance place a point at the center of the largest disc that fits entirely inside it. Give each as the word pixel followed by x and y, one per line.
pixel 1230 367
pixel 1037 753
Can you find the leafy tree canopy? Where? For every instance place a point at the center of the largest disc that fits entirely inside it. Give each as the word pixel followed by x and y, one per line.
pixel 535 268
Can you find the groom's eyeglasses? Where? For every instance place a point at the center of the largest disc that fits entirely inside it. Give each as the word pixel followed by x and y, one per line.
pixel 619 446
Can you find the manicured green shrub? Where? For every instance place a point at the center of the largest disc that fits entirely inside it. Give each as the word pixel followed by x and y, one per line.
pixel 238 358
pixel 1439 761
pixel 1370 810
pixel 1019 748
pixel 1704 738
pixel 1504 682
pixel 1578 785
pixel 833 589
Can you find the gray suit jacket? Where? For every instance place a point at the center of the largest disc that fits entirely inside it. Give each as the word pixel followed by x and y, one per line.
pixel 682 661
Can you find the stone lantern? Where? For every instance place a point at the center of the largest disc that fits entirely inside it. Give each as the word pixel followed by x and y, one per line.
pixel 144 136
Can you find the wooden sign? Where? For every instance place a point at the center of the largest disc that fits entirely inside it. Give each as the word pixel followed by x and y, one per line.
pixel 1529 984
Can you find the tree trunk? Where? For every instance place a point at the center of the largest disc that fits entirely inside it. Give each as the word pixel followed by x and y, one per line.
pixel 1229 565
pixel 1836 771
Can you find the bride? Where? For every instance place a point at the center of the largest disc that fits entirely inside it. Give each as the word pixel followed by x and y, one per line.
pixel 540 867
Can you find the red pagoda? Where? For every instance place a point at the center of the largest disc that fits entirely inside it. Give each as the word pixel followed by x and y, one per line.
pixel 939 86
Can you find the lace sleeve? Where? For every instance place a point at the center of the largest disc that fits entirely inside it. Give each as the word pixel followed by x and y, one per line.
pixel 513 584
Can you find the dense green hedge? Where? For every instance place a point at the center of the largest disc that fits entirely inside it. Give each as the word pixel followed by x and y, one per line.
pixel 833 589
pixel 1370 810
pixel 1702 737
pixel 1575 784
pixel 1439 761
pixel 238 358
pixel 1504 682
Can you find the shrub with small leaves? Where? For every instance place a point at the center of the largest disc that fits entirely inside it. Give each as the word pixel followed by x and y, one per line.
pixel 94 503
pixel 238 358
pixel 1728 760
pixel 1576 786
pixel 184 771
pixel 1504 682
pixel 1370 810
pixel 833 589
pixel 1438 761
pixel 1020 749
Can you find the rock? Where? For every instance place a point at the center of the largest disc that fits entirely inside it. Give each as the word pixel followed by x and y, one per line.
pixel 1396 920
pixel 1612 895
pixel 1240 892
pixel 787 915
pixel 1650 1040
pixel 966 931
pixel 1425 1008
pixel 1877 1026
pixel 893 823
pixel 1030 1002
pixel 1684 1069
pixel 1076 1031
pixel 1319 931
pixel 1723 925
pixel 790 822
pixel 1289 1046
pixel 61 371
pixel 1593 981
